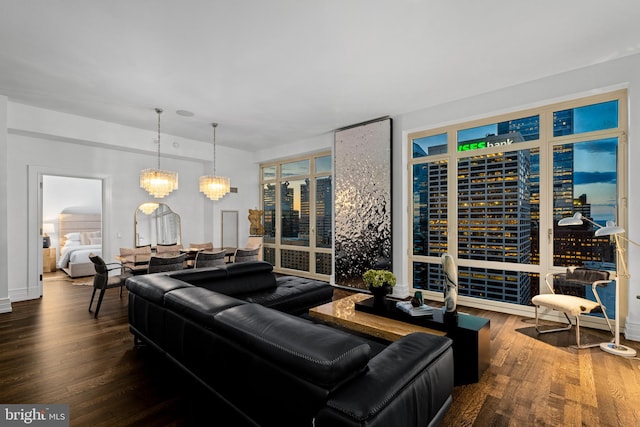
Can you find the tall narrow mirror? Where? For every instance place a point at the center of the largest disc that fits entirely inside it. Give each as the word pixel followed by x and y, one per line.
pixel 156 224
pixel 229 229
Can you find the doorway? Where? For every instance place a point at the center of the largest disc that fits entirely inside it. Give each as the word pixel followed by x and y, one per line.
pixel 72 212
pixel 41 196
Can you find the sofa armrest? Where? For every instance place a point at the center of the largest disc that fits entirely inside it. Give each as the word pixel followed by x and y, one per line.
pixel 409 383
pixel 153 287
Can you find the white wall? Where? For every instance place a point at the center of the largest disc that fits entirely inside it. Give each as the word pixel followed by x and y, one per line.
pixel 5 303
pixel 46 142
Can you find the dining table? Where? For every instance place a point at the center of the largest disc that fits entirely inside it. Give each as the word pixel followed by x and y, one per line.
pixel 143 259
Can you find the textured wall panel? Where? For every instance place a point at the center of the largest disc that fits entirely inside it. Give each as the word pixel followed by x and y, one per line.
pixel 362 156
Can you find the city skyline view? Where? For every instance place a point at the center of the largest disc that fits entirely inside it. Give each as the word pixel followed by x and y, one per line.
pixel 499 194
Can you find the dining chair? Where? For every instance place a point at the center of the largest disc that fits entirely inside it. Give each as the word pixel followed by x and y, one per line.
pixel 244 255
pixel 194 249
pixel 210 258
pixel 158 264
pixel 168 248
pixel 103 281
pixel 207 246
pixel 132 252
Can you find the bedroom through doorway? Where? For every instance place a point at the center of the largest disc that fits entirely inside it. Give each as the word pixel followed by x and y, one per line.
pixel 72 220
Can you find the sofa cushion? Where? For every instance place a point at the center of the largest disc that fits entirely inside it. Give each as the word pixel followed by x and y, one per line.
pixel 152 287
pixel 247 277
pixel 199 276
pixel 321 355
pixel 295 295
pixel 198 304
pixel 231 279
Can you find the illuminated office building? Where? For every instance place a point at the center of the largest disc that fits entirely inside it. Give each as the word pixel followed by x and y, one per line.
pixel 494 222
pixel 295 224
pixel 499 213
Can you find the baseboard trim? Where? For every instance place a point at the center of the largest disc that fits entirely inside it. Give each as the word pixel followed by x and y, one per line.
pixel 5 305
pixel 632 331
pixel 16 295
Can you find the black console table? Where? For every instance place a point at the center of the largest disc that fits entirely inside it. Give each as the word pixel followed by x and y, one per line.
pixel 470 335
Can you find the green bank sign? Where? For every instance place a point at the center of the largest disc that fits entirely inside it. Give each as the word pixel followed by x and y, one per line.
pixel 478 145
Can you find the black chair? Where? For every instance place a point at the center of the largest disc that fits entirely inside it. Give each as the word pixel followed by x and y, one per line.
pixel 244 255
pixel 158 264
pixel 103 281
pixel 210 258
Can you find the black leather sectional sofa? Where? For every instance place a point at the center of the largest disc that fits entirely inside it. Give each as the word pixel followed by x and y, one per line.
pixel 237 330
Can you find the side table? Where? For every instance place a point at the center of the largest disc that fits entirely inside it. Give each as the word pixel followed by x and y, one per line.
pixel 470 334
pixel 48 260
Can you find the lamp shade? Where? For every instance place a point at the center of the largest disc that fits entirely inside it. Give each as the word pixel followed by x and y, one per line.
pixel 214 187
pixel 48 228
pixel 576 219
pixel 609 230
pixel 158 182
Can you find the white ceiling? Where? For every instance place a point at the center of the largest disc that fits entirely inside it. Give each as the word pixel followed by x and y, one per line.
pixel 276 71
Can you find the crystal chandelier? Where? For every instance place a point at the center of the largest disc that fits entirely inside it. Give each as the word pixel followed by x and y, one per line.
pixel 158 182
pixel 148 208
pixel 214 187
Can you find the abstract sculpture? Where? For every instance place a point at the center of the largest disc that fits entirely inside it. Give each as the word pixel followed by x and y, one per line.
pixel 255 220
pixel 450 314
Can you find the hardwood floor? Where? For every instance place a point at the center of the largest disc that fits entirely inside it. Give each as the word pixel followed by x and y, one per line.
pixel 54 351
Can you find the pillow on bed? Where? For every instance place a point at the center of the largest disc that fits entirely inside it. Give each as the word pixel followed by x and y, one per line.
pixel 86 236
pixel 68 243
pixel 72 236
pixel 95 240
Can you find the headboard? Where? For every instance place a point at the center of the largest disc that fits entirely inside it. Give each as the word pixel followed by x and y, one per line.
pixel 78 219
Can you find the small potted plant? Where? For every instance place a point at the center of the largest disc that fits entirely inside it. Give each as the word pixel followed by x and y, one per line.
pixel 380 283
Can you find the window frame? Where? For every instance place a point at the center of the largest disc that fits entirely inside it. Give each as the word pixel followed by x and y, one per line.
pixel 277 244
pixel 545 145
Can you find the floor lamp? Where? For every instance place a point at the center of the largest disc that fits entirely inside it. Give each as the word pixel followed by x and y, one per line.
pixel 621 270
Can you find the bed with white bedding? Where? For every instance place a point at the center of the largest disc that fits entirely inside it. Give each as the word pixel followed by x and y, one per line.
pixel 75 260
pixel 80 231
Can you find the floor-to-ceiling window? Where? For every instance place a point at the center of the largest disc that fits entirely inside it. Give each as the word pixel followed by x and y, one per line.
pixel 491 193
pixel 297 206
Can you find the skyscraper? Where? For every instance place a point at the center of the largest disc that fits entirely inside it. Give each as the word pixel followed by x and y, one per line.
pixel 494 222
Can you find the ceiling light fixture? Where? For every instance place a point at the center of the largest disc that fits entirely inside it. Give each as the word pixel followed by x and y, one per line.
pixel 184 113
pixel 214 187
pixel 158 182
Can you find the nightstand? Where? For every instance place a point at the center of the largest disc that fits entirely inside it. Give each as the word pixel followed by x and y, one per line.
pixel 48 260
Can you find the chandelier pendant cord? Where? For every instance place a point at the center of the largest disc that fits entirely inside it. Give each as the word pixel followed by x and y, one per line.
pixel 215 125
pixel 159 111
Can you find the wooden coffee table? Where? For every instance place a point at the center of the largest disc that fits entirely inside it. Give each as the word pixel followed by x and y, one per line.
pixel 343 313
pixel 471 335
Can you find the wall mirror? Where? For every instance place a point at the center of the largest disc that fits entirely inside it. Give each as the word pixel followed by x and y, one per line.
pixel 229 229
pixel 156 224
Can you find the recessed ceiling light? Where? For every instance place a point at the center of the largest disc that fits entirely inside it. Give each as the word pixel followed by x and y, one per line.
pixel 184 113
